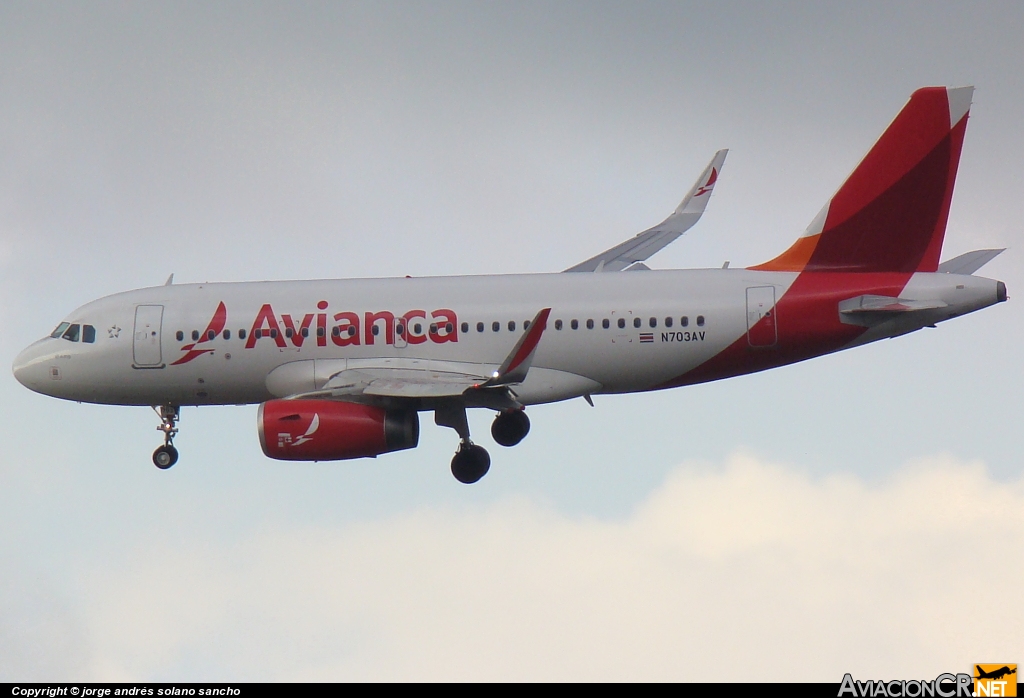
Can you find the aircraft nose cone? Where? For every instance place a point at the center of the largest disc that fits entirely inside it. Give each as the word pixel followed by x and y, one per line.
pixel 27 368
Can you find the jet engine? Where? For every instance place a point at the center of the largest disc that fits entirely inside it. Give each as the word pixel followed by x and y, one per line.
pixel 329 430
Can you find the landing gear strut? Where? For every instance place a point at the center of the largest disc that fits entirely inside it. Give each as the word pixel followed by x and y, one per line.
pixel 471 462
pixel 167 455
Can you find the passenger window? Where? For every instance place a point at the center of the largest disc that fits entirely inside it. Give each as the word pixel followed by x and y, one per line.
pixel 605 323
pixel 433 328
pixel 210 335
pixel 227 334
pixel 417 328
pixel 241 333
pixel 88 334
pixel 622 322
pixel 558 324
pixel 273 334
pixel 351 331
pixel 590 324
pixel 288 332
pixel 195 335
pixel 399 329
pixel 449 328
pixel 465 327
pixel 495 326
pixel 72 332
pixel 305 333
pixel 668 322
pixel 511 325
pixel 479 327
pixel 684 321
pixel 575 324
pixel 60 329
pixel 636 322
pixel 376 329
pixel 526 325
pixel 180 336
pixel 653 322
pixel 700 321
pixel 259 334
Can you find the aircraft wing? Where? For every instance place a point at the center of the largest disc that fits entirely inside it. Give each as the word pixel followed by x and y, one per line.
pixel 436 379
pixel 645 244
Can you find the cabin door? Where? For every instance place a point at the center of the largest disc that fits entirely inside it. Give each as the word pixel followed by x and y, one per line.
pixel 762 330
pixel 146 338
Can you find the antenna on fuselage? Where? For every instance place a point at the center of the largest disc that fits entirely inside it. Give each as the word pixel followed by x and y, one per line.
pixel 170 280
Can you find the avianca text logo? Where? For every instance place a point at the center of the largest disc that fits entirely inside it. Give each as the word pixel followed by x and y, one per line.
pixel 341 329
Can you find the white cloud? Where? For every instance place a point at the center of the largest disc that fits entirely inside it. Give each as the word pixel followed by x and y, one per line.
pixel 748 571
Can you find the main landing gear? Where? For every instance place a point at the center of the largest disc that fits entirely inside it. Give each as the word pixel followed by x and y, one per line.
pixel 510 427
pixel 471 462
pixel 167 455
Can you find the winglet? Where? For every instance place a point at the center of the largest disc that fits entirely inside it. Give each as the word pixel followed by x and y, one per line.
pixel 693 204
pixel 643 245
pixel 515 366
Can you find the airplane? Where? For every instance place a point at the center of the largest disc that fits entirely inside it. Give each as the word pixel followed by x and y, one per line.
pixel 341 369
pixel 995 674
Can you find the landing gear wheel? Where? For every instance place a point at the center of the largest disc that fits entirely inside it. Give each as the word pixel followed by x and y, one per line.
pixel 509 428
pixel 471 462
pixel 165 456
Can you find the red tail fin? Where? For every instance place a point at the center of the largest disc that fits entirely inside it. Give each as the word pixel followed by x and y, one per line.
pixel 890 214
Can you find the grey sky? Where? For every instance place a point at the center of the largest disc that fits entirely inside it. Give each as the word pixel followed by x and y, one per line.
pixel 244 141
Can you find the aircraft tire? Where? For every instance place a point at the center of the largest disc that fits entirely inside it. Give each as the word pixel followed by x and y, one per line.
pixel 509 428
pixel 471 462
pixel 165 456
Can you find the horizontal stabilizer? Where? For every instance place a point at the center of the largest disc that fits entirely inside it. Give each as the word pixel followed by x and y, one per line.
pixel 652 240
pixel 886 304
pixel 969 262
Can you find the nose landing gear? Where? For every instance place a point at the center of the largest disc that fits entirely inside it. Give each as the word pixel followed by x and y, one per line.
pixel 167 455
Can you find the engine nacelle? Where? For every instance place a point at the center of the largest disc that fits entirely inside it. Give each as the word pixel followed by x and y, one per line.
pixel 330 430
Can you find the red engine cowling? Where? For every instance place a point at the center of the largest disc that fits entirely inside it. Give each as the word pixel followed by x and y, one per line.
pixel 329 430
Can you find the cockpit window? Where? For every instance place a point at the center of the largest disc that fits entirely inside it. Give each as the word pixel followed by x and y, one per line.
pixel 71 333
pixel 88 334
pixel 60 329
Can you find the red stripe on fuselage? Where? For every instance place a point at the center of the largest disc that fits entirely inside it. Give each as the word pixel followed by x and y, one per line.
pixel 807 319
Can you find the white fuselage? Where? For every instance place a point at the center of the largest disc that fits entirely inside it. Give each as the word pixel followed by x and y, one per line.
pixel 607 332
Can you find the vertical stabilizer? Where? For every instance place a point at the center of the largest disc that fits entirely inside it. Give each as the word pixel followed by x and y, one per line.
pixel 890 214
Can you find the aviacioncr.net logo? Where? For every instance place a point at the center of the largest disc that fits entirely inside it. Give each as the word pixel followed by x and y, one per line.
pixel 943 686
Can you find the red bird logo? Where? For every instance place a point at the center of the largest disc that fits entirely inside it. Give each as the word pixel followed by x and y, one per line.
pixel 216 326
pixel 708 185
